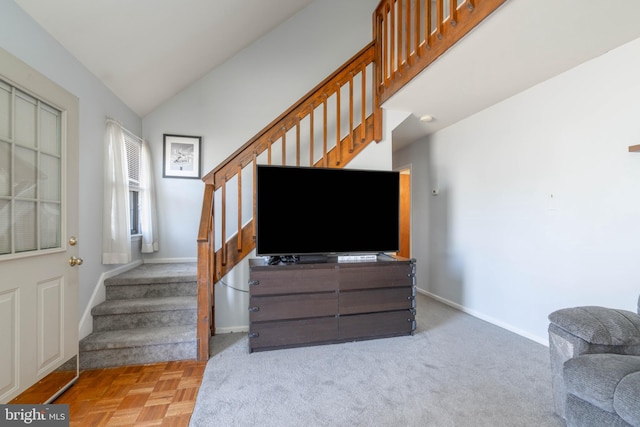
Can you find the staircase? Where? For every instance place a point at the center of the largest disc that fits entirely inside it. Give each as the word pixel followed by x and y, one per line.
pixel 149 316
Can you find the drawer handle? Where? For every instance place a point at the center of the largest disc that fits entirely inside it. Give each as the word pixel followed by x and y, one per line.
pixel 254 309
pixel 253 335
pixel 254 282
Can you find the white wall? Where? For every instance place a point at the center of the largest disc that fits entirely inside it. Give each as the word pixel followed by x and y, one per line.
pixel 416 157
pixel 25 39
pixel 539 199
pixel 233 102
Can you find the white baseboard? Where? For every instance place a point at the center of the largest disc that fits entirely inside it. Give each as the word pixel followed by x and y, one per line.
pixel 489 319
pixel 231 329
pixel 99 295
pixel 168 260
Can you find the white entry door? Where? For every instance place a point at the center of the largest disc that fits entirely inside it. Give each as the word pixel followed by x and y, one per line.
pixel 38 216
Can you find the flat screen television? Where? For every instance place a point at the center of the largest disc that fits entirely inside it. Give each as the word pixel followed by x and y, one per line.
pixel 322 211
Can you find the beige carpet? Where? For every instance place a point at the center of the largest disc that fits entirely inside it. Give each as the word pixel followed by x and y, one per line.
pixel 455 371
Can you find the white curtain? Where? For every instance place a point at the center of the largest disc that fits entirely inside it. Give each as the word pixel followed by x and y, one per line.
pixel 148 217
pixel 116 227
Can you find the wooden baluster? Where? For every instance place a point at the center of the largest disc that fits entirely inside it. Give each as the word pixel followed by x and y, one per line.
pixel 284 146
pixel 453 12
pixel 376 114
pixel 325 153
pixel 407 31
pixel 338 130
pixel 239 236
pixel 363 101
pixel 311 135
pixel 440 17
pixel 255 198
pixel 351 130
pixel 269 151
pixel 223 221
pixel 212 239
pixel 381 48
pixel 386 52
pixel 392 47
pixel 416 26
pixel 382 51
pixel 399 32
pixel 298 141
pixel 427 24
pixel 213 272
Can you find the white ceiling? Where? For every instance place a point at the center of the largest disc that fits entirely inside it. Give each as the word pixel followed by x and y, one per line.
pixel 523 43
pixel 146 51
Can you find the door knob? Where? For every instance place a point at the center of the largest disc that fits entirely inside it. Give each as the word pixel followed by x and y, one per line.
pixel 73 261
pixel 73 240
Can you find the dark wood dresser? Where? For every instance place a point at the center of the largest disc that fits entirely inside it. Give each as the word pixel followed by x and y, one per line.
pixel 294 305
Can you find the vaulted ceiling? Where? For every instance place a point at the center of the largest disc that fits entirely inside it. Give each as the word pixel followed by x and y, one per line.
pixel 146 51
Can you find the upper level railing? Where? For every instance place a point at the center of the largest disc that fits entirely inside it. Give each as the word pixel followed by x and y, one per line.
pixel 327 127
pixel 411 34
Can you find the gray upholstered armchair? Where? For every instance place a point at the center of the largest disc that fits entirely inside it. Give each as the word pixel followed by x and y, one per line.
pixel 595 362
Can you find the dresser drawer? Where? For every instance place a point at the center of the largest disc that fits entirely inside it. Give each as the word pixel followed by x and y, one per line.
pixel 372 276
pixel 297 306
pixel 361 326
pixel 374 300
pixel 293 279
pixel 291 333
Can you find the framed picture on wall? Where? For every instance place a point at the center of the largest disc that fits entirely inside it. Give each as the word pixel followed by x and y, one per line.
pixel 181 156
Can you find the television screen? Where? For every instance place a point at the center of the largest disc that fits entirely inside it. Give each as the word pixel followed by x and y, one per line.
pixel 320 211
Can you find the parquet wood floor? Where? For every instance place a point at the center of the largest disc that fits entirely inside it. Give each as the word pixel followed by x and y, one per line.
pixel 161 394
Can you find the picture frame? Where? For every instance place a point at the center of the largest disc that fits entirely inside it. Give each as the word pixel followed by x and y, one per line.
pixel 181 156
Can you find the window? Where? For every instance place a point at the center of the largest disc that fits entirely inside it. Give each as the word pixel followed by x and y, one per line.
pixel 133 146
pixel 31 164
pixel 129 201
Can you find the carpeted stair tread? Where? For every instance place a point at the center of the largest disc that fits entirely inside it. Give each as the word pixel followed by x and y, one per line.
pixel 149 315
pixel 150 290
pixel 156 274
pixel 138 337
pixel 145 305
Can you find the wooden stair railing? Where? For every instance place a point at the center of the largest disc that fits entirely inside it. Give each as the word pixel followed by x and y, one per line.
pixel 411 34
pixel 327 127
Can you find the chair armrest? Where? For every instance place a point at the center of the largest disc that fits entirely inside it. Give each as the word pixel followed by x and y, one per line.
pixel 599 325
pixel 580 330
